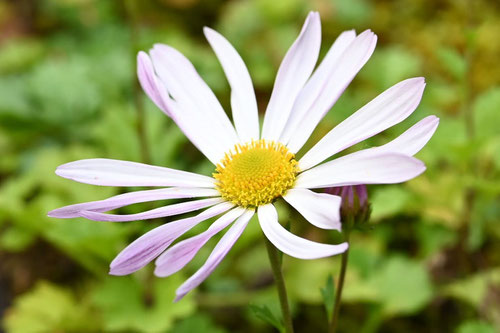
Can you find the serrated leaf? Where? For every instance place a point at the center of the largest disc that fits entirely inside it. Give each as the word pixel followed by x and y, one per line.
pixel 265 314
pixel 328 294
pixel 48 308
pixel 126 305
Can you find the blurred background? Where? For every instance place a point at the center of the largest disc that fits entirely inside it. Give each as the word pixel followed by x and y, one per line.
pixel 430 261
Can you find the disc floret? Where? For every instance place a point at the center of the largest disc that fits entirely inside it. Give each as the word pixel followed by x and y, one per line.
pixel 256 173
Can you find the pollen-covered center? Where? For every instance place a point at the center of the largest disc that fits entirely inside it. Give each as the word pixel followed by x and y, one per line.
pixel 256 173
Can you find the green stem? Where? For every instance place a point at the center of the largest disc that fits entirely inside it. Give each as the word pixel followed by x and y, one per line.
pixel 274 259
pixel 340 285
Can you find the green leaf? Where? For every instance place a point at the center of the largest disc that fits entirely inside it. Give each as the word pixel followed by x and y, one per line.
pixel 390 65
pixel 118 133
pixel 453 62
pixel 279 10
pixel 403 286
pixel 15 239
pixel 388 201
pixel 478 283
pixel 48 308
pixel 126 304
pixel 475 326
pixel 18 54
pixel 328 294
pixel 353 12
pixel 433 237
pixel 197 323
pixel 305 278
pixel 485 109
pixel 60 101
pixel 265 314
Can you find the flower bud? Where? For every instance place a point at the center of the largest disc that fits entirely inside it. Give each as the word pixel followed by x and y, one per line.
pixel 355 208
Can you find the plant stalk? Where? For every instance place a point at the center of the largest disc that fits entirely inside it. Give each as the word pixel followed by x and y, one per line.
pixel 275 260
pixel 340 285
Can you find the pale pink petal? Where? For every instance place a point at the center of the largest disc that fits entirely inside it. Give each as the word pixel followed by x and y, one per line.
pixel 198 108
pixel 132 198
pixel 147 247
pixel 107 172
pixel 243 101
pixel 177 256
pixel 326 86
pixel 184 114
pixel 293 73
pixel 320 209
pixel 291 244
pixel 368 166
pixel 414 139
pixel 170 210
pixel 149 81
pixel 219 252
pixel 388 109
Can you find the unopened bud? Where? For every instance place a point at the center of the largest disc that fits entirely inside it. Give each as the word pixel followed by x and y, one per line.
pixel 355 208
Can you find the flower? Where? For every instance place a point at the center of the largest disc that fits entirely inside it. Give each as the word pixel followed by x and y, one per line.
pixel 253 167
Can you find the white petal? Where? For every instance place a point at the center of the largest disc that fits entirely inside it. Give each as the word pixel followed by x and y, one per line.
pixel 327 84
pixel 219 252
pixel 132 198
pixel 176 257
pixel 389 108
pixel 320 209
pixel 243 102
pixel 107 172
pixel 170 210
pixel 312 88
pixel 197 111
pixel 290 244
pixel 368 166
pixel 414 139
pixel 293 73
pixel 192 125
pixel 147 247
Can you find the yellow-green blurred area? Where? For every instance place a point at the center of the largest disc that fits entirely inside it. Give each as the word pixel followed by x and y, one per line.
pixel 430 261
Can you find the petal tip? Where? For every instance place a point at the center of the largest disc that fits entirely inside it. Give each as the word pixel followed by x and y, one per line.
pixel 178 297
pixel 208 30
pixel 142 56
pixel 116 268
pixel 116 272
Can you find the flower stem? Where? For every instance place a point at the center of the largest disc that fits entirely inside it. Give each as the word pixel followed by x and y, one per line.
pixel 275 261
pixel 340 285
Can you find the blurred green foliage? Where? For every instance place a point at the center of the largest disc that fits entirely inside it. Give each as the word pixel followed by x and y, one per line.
pixel 431 260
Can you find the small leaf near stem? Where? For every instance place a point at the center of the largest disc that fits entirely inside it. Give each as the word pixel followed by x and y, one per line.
pixel 265 314
pixel 328 295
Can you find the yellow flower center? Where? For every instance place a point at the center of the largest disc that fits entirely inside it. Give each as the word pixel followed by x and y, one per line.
pixel 256 173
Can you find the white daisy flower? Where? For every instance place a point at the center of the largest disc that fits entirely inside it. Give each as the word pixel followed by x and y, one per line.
pixel 253 167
